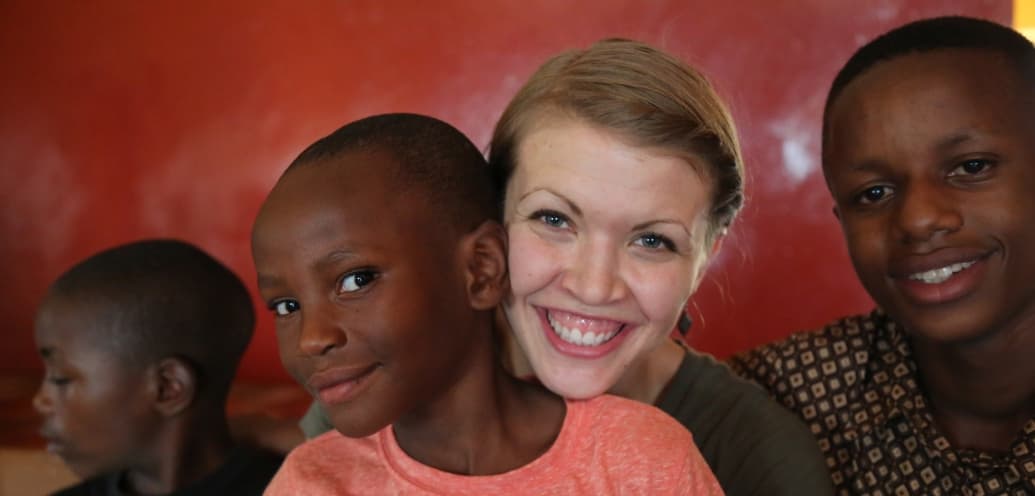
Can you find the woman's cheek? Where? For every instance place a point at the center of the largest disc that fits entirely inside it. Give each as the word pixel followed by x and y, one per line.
pixel 531 260
pixel 662 290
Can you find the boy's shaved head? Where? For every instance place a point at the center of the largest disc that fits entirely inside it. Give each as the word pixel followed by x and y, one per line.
pixel 940 33
pixel 160 299
pixel 429 154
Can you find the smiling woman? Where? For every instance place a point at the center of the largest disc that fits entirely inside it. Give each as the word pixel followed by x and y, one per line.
pixel 607 241
pixel 621 173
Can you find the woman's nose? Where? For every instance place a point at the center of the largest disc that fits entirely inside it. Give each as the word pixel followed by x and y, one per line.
pixel 594 274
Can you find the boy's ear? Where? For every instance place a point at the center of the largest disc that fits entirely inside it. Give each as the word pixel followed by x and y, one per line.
pixel 485 264
pixel 175 384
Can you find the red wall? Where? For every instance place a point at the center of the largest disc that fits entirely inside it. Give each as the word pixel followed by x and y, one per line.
pixel 126 119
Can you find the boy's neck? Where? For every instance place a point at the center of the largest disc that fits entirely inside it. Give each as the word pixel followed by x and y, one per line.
pixel 647 377
pixel 187 449
pixel 982 392
pixel 488 423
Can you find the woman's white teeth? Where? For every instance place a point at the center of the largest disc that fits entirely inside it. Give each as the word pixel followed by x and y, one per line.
pixel 941 275
pixel 588 338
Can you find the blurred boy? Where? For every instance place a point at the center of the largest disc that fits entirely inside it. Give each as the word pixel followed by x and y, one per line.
pixel 929 152
pixel 379 254
pixel 140 344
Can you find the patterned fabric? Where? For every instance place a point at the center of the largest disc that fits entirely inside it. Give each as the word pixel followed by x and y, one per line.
pixel 855 384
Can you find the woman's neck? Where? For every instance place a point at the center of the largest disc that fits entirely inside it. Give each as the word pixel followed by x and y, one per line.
pixel 647 377
pixel 487 423
pixel 982 392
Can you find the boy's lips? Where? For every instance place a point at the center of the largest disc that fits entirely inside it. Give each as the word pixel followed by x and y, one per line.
pixel 581 336
pixel 944 278
pixel 340 384
pixel 911 265
pixel 54 442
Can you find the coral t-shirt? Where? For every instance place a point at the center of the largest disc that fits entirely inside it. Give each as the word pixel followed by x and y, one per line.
pixel 607 445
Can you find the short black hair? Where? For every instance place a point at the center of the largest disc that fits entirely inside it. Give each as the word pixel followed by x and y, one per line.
pixel 166 298
pixel 939 33
pixel 432 156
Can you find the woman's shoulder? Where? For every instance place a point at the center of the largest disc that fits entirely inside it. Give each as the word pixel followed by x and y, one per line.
pixel 753 444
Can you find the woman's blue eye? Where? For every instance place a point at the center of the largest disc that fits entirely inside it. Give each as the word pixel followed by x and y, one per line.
pixel 285 307
pixel 655 242
pixel 552 219
pixel 356 280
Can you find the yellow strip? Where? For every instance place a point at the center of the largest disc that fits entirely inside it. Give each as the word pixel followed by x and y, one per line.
pixel 1024 17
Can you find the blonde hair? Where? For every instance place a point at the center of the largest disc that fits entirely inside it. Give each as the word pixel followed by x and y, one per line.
pixel 643 94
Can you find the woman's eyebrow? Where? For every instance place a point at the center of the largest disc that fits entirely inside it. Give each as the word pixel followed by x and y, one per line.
pixel 574 208
pixel 676 222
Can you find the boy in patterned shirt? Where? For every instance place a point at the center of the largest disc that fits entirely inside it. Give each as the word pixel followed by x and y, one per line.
pixel 929 153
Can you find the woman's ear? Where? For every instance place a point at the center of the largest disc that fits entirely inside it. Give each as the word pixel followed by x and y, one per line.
pixel 175 385
pixel 717 242
pixel 707 256
pixel 485 263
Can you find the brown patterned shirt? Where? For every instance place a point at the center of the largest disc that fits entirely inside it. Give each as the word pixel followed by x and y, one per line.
pixel 855 384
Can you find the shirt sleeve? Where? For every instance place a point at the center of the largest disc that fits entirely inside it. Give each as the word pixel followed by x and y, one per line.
pixel 786 459
pixel 755 446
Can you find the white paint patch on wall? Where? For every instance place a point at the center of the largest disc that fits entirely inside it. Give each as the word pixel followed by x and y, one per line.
pixel 798 147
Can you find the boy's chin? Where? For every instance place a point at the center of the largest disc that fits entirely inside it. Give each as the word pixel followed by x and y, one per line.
pixel 949 326
pixel 86 469
pixel 351 427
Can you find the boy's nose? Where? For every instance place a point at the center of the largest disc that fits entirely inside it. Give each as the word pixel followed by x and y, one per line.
pixel 320 334
pixel 594 275
pixel 926 210
pixel 41 401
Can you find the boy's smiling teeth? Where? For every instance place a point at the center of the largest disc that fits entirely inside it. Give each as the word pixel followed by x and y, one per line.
pixel 937 276
pixel 581 330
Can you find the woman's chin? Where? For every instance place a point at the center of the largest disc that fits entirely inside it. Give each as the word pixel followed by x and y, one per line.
pixel 579 385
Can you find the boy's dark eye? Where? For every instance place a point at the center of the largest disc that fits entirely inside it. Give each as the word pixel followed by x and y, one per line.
pixel 285 307
pixel 354 281
pixel 971 168
pixel 58 380
pixel 874 194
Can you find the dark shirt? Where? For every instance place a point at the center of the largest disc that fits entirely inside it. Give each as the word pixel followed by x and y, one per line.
pixel 246 472
pixel 754 446
pixel 855 383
